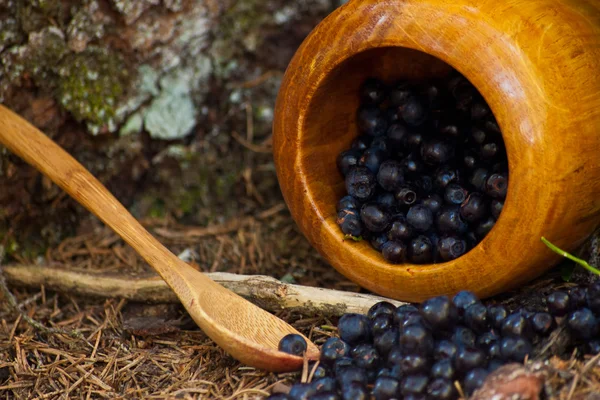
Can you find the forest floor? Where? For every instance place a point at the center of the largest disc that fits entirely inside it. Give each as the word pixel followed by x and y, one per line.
pixel 136 350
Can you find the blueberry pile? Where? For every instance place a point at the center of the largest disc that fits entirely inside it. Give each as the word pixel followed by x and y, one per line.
pixel 425 351
pixel 427 177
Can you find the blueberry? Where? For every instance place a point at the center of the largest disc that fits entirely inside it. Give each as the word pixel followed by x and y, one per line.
pixel 468 358
pixel 578 298
pixel 515 348
pixel 593 347
pixel 474 379
pixel 439 312
pixel 301 391
pixel 558 303
pixel 402 311
pixel 414 140
pixel 374 217
pixel 348 159
pixel 400 229
pixel 542 323
pixel 479 178
pixel 319 372
pixel 414 364
pixel 350 374
pixel 371 121
pixel 378 241
pixel 387 200
pixel 484 227
pixel 292 344
pixel 444 176
pixel 496 186
pixel 479 110
pixel 495 350
pixel 463 336
pixel 476 317
pixel 394 251
pixel 342 363
pixel 386 388
pixel 348 203
pixel 362 142
pixel 433 202
pixel 381 323
pixel 406 195
pixel 441 389
pixel 451 247
pixel 385 341
pixel 400 94
pixel 390 175
pixel 414 384
pixel 444 349
pixel 486 340
pixel 355 391
pixel 385 372
pixel 449 221
pixel 325 384
pixel 496 207
pixel 516 325
pixel 449 129
pixel 412 318
pixel 490 150
pixel 593 297
pixel 397 135
pixel 412 165
pixel 463 299
pixel 413 111
pixel 350 223
pixel 424 184
pixel 437 152
pixel 325 396
pixel 416 339
pixel 395 357
pixel 365 356
pixel 381 142
pixel 469 161
pixel 474 208
pixel 492 125
pixel 382 307
pixel 443 369
pixel 279 396
pixel 333 349
pixel 372 92
pixel 420 217
pixel 455 194
pixel 420 250
pixel 360 183
pixel 372 158
pixel 583 323
pixel 354 328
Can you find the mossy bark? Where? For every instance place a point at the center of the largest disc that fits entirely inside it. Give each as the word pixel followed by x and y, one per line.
pixel 145 93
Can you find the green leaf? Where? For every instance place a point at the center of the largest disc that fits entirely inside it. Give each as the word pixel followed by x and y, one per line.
pixel 356 239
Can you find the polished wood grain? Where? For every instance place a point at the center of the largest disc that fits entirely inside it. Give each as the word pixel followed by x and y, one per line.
pixel 535 63
pixel 245 331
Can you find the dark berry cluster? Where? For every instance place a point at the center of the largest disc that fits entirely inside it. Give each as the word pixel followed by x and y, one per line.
pixel 427 178
pixel 423 351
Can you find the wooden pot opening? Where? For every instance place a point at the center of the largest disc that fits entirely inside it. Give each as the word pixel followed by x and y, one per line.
pixel 330 124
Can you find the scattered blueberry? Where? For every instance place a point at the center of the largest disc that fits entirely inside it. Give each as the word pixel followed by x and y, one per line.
pixel 292 344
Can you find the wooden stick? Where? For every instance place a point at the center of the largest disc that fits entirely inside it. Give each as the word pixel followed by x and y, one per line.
pixel 264 291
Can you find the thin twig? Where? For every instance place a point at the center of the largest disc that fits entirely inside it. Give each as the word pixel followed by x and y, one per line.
pixel 267 292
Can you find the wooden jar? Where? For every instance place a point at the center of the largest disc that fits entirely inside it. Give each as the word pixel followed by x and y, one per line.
pixel 534 62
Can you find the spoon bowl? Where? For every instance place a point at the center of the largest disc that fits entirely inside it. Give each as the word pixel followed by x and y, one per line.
pixel 245 331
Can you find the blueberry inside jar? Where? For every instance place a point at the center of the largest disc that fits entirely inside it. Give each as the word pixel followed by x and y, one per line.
pixel 431 174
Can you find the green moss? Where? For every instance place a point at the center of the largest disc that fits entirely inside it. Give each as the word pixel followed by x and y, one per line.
pixel 90 84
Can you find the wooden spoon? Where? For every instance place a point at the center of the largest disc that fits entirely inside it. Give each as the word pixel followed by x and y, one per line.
pixel 245 331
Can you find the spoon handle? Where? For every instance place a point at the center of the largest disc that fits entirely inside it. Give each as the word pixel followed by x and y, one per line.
pixel 33 146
